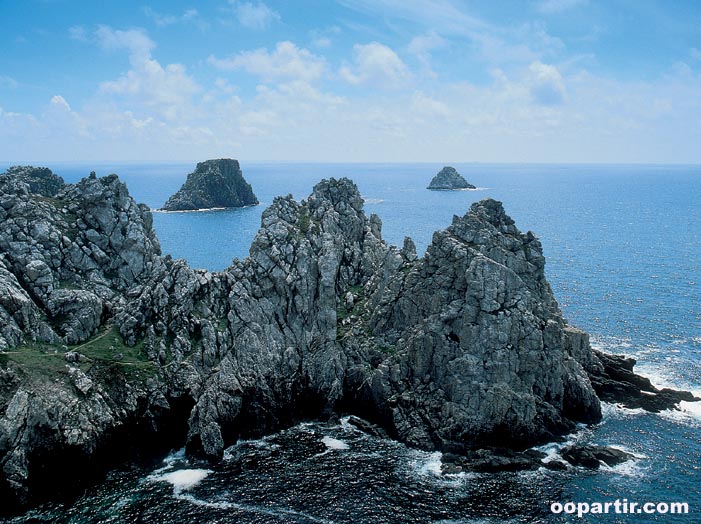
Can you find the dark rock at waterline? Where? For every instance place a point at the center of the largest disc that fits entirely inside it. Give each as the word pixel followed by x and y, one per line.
pixel 592 457
pixel 213 184
pixel 367 427
pixel 492 461
pixel 449 179
pixel 616 382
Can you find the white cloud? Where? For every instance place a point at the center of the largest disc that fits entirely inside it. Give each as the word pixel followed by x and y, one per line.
pixel 695 53
pixel 376 64
pixel 546 85
pixel 8 82
pixel 168 90
pixel 254 16
pixel 558 6
pixel 162 19
pixel 77 32
pixel 424 105
pixel 322 38
pixel 136 41
pixel 421 46
pixel 159 18
pixel 287 61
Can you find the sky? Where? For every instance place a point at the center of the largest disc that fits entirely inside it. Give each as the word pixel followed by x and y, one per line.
pixel 611 81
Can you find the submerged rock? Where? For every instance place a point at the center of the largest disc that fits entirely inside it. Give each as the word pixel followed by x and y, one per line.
pixel 448 178
pixel 213 184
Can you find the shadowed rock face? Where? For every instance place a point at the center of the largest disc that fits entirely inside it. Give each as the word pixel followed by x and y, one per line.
pixel 448 178
pixel 461 349
pixel 214 183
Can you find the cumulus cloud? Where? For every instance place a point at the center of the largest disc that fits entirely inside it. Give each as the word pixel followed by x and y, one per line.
pixel 136 41
pixel 558 6
pixel 287 61
pixel 546 85
pixel 375 64
pixel 148 85
pixel 254 16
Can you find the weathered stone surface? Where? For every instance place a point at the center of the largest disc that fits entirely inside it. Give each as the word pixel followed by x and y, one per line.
pixel 39 180
pixel 462 349
pixel 213 184
pixel 449 179
pixel 592 457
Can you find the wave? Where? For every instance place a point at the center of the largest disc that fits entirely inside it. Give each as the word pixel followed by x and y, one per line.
pixel 181 479
pixel 273 512
pixel 372 200
pixel 334 444
pixel 203 210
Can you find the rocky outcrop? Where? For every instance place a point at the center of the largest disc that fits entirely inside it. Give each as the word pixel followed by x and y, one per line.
pixel 461 350
pixel 39 180
pixel 213 184
pixel 593 457
pixel 449 179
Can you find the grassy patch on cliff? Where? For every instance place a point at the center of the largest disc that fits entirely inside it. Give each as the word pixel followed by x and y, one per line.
pixel 104 352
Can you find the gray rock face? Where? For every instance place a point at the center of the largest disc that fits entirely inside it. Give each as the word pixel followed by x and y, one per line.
pixel 461 349
pixel 449 179
pixel 213 184
pixel 40 180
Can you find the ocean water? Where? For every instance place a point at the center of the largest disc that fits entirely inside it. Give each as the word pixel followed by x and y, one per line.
pixel 623 250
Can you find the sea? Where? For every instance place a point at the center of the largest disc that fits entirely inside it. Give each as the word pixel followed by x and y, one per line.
pixel 623 251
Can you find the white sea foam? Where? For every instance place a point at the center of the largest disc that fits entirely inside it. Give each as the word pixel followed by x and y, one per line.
pixel 261 443
pixel 225 505
pixel 688 413
pixel 373 200
pixel 629 468
pixel 203 210
pixel 182 479
pixel 428 464
pixel 334 443
pixel 616 411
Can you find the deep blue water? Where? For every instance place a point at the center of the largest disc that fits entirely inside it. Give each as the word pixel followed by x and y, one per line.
pixel 623 249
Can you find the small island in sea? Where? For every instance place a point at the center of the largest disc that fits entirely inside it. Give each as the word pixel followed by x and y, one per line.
pixel 214 184
pixel 448 179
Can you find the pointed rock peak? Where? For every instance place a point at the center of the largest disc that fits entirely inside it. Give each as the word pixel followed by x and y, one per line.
pixel 491 211
pixel 336 191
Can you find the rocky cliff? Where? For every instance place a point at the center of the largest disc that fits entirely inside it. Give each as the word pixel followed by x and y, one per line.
pixel 449 179
pixel 104 338
pixel 213 184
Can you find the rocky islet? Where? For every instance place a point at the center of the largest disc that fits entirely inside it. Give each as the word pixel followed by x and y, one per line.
pixel 213 184
pixel 448 179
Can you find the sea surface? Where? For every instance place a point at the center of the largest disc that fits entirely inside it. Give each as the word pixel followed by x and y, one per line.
pixel 623 250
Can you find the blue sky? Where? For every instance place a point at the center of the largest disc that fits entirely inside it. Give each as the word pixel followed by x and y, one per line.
pixel 351 80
